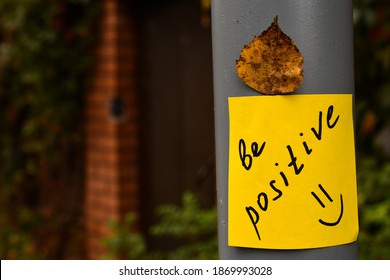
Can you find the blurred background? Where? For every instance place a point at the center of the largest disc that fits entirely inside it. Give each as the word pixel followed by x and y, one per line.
pixel 107 129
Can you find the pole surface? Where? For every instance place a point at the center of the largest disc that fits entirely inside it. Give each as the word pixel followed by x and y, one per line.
pixel 323 32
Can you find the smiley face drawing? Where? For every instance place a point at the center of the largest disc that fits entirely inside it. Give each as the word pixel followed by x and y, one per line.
pixel 330 224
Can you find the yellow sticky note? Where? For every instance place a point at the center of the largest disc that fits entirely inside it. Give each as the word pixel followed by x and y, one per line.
pixel 292 175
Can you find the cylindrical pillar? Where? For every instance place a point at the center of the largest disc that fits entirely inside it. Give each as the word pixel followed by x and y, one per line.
pixel 323 32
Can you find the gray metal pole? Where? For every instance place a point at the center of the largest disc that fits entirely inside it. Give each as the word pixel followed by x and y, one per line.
pixel 323 31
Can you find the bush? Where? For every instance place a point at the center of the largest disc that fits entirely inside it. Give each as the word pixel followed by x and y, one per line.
pixel 374 205
pixel 189 223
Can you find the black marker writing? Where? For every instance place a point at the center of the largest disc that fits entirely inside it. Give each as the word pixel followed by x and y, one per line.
pixel 279 192
pixel 307 149
pixel 323 206
pixel 297 168
pixel 318 133
pixel 251 211
pixel 247 159
pixel 293 162
pixel 329 117
pixel 244 156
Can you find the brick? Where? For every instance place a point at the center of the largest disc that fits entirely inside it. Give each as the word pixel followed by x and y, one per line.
pixel 104 201
pixel 109 35
pixel 106 51
pixel 111 153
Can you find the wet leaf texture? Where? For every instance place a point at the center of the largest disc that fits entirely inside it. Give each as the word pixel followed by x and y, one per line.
pixel 271 63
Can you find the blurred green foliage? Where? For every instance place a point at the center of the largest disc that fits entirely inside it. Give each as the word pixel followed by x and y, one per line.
pixel 43 60
pixel 374 204
pixel 124 242
pixel 190 224
pixel 372 86
pixel 195 226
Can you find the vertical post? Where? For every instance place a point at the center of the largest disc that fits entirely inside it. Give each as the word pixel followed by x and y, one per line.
pixel 323 30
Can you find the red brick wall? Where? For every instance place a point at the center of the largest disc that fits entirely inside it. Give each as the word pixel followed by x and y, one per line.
pixel 111 144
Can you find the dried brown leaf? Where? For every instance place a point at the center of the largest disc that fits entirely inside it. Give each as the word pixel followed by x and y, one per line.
pixel 271 63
